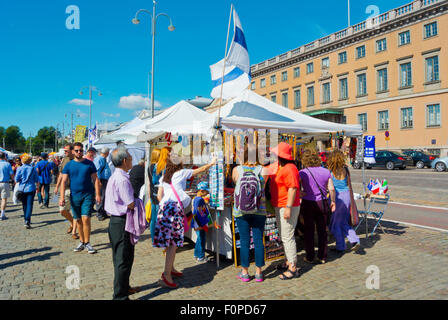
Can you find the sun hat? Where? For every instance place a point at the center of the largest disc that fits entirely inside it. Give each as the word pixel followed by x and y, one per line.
pixel 283 150
pixel 203 185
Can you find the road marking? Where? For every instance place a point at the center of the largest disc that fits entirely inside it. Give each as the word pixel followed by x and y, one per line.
pixel 418 206
pixel 415 225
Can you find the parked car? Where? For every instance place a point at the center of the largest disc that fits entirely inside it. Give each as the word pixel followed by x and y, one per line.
pixel 420 159
pixel 440 164
pixel 387 159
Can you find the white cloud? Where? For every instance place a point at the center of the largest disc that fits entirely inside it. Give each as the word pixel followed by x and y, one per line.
pixel 81 114
pixel 137 102
pixel 80 102
pixel 110 115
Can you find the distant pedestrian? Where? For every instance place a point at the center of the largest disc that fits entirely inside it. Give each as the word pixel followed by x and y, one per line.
pixel 315 181
pixel 174 203
pixel 120 204
pixel 27 179
pixel 137 177
pixel 81 173
pixel 6 176
pixel 45 171
pixel 340 219
pixel 65 210
pixel 104 173
pixel 17 165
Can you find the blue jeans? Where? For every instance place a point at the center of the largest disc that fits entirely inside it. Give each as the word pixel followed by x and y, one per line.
pixel 27 204
pixel 46 187
pixel 199 248
pixel 256 223
pixel 152 225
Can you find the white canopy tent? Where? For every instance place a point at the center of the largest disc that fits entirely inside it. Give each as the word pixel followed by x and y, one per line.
pixel 250 110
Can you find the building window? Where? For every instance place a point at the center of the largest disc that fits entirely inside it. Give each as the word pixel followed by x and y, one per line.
pixel 343 89
pixel 360 52
pixel 297 72
pixel 310 67
pixel 326 93
pixel 433 115
pixel 430 30
pixel 273 79
pixel 310 95
pixel 284 75
pixel 382 80
pixel 342 57
pixel 362 84
pixel 297 98
pixel 381 45
pixel 285 99
pixel 274 98
pixel 432 69
pixel 383 120
pixel 405 75
pixel 362 120
pixel 253 85
pixel 263 83
pixel 326 63
pixel 407 119
pixel 404 38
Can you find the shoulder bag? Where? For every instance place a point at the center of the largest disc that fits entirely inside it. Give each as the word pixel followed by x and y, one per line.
pixel 325 204
pixel 185 220
pixel 354 215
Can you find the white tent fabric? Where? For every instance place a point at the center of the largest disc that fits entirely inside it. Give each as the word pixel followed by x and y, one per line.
pixel 128 133
pixel 250 110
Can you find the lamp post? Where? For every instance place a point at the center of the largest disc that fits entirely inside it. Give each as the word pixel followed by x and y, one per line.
pixel 153 23
pixel 91 89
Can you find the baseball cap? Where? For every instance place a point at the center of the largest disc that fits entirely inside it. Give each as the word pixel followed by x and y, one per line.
pixel 203 185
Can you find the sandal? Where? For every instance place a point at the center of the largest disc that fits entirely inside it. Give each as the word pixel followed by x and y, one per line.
pixel 295 274
pixel 75 236
pixel 165 283
pixel 70 229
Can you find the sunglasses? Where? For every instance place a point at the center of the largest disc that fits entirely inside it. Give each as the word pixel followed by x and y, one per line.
pixel 79 150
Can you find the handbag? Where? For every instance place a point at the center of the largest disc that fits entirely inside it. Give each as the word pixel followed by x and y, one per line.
pixel 186 224
pixel 325 204
pixel 354 215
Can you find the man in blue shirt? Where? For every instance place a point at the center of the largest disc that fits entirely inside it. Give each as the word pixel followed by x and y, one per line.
pixel 6 175
pixel 45 171
pixel 82 174
pixel 104 174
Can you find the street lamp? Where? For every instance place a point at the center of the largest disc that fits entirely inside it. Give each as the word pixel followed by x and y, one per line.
pixel 91 89
pixel 153 23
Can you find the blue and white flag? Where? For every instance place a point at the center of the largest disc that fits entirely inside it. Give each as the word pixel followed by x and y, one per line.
pixel 92 134
pixel 237 66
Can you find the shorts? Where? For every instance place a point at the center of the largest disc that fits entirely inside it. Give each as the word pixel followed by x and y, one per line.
pixel 67 201
pixel 81 205
pixel 5 190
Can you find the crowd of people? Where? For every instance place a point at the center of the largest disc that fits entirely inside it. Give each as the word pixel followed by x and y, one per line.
pixel 83 180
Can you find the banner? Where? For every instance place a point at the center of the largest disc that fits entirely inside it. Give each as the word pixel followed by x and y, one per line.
pixel 80 133
pixel 369 149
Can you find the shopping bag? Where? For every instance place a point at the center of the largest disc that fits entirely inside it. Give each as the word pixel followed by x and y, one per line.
pixel 354 215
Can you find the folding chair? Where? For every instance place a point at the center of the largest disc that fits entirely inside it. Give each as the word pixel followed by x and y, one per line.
pixel 378 202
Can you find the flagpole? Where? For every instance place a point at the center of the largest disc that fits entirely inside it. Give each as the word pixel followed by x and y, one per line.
pixel 224 67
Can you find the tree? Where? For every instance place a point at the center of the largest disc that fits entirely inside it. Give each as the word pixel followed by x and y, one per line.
pixel 14 140
pixel 45 139
pixel 2 135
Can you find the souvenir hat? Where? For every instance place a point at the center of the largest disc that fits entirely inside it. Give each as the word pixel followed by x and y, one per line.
pixel 203 185
pixel 283 150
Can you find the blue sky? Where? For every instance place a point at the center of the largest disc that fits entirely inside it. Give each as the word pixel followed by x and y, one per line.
pixel 43 65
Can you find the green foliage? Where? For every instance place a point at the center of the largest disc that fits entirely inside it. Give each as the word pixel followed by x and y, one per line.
pixel 17 143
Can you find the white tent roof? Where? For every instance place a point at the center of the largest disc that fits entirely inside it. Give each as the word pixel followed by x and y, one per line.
pixel 250 110
pixel 128 133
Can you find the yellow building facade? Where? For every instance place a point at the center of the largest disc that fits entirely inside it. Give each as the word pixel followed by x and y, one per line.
pixel 388 73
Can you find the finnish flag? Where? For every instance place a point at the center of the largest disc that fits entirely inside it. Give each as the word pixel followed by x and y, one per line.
pixel 237 66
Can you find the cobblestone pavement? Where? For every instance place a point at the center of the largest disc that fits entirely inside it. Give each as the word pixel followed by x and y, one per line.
pixel 412 263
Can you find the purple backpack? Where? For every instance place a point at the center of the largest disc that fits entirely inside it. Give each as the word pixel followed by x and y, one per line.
pixel 248 190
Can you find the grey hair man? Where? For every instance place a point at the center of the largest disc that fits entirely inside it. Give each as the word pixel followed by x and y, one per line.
pixel 119 202
pixel 104 174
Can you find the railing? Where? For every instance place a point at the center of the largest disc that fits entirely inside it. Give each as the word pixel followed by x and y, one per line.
pixel 375 21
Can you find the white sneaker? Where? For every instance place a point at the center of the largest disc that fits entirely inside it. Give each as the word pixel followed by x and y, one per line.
pixel 89 248
pixel 79 248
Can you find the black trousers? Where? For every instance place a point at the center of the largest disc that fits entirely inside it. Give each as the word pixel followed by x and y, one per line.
pixel 101 211
pixel 122 256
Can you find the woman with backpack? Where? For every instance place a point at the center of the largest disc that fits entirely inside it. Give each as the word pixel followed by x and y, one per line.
pixel 173 201
pixel 284 188
pixel 249 211
pixel 340 220
pixel 315 208
pixel 27 179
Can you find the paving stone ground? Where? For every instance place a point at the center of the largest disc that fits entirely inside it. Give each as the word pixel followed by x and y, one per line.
pixel 33 264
